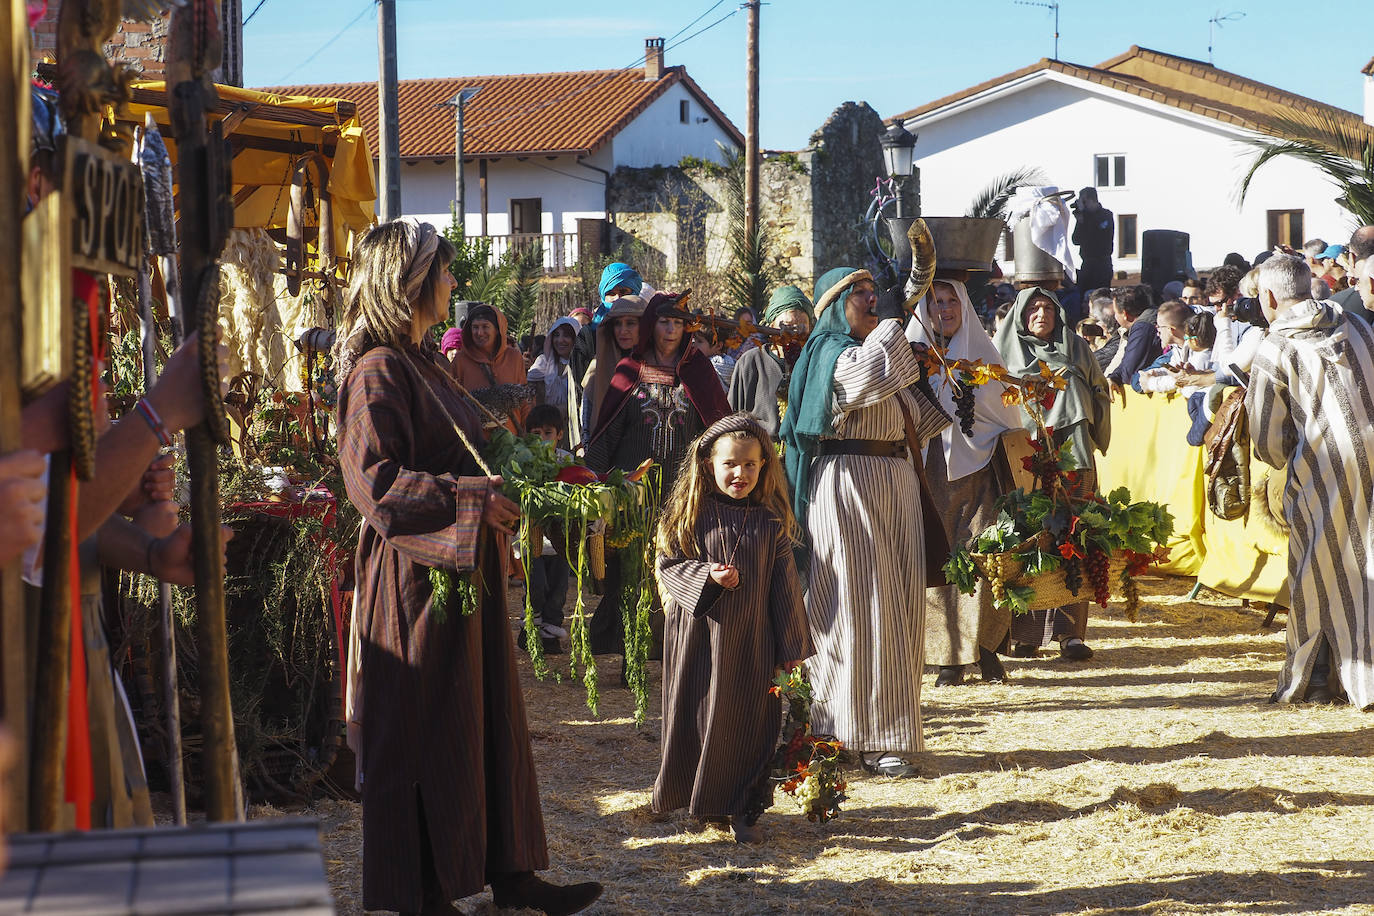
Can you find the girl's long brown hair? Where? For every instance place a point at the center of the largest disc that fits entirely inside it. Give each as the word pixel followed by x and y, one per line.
pixel 677 527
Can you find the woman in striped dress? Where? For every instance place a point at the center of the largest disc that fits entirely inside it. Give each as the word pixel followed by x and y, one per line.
pixel 857 495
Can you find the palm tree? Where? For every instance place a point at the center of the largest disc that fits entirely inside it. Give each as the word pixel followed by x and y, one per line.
pixel 991 202
pixel 1344 151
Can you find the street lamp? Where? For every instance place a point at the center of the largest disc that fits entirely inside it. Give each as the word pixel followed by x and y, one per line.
pixel 899 145
pixel 459 203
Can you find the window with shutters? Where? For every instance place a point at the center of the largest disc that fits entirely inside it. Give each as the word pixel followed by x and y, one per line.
pixel 1109 170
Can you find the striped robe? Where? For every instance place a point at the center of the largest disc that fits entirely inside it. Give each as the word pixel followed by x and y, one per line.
pixel 445 745
pixel 865 594
pixel 1312 413
pixel 720 724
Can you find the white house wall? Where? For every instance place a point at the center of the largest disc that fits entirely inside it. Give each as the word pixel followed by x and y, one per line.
pixel 1182 171
pixel 567 192
pixel 658 136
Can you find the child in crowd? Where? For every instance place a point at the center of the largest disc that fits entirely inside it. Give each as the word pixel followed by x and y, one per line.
pixel 722 362
pixel 549 572
pixel 1193 354
pixel 734 611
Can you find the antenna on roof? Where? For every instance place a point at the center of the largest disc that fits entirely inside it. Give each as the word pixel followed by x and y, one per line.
pixel 1215 23
pixel 1052 5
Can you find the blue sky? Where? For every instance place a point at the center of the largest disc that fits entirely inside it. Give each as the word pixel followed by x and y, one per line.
pixel 814 55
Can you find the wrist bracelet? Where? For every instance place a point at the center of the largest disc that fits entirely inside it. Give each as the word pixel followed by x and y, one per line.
pixel 148 555
pixel 150 416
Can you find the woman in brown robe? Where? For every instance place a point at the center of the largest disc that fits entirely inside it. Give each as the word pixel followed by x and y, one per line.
pixel 735 615
pixel 450 800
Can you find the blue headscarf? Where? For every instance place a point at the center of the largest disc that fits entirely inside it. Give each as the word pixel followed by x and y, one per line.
pixel 809 414
pixel 616 274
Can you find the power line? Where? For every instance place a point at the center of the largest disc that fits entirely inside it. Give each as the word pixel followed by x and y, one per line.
pixel 337 35
pixel 614 73
pixel 693 22
pixel 249 17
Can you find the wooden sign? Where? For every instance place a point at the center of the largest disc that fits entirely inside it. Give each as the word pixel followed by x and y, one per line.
pixel 105 194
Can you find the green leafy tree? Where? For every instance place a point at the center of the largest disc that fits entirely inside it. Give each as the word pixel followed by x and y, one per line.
pixel 1344 151
pixel 520 296
pixel 753 273
pixel 471 263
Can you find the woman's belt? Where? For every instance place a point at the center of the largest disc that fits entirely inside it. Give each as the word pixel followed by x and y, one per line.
pixel 874 448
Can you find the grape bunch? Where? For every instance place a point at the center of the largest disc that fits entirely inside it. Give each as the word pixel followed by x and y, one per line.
pixel 1096 567
pixel 1132 593
pixel 1073 574
pixel 996 580
pixel 962 393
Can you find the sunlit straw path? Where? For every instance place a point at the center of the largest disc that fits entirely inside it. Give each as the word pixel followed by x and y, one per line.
pixel 1155 779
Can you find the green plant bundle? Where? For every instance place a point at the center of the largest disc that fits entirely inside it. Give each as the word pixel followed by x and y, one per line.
pixel 530 467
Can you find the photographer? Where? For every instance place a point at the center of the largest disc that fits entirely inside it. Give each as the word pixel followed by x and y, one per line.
pixel 1094 232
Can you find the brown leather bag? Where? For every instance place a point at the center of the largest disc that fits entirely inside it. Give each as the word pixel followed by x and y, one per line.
pixel 1226 455
pixel 937 549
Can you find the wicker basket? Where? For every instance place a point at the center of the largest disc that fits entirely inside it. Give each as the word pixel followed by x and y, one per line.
pixel 1048 589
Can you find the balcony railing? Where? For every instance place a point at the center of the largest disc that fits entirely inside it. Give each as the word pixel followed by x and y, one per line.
pixel 560 249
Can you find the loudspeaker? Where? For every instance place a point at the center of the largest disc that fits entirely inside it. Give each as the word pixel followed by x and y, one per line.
pixel 1163 257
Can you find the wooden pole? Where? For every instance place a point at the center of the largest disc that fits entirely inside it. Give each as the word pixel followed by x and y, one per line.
pixel 460 210
pixel 14 159
pixel 389 132
pixel 751 134
pixel 200 244
pixel 482 191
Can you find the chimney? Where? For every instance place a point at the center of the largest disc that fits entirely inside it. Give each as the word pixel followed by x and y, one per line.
pixel 653 59
pixel 1368 72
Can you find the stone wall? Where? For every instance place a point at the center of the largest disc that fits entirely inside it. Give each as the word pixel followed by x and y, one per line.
pixel 672 222
pixel 143 44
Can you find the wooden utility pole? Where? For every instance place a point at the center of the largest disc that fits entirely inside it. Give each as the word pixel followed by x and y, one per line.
pixel 14 155
pixel 389 129
pixel 751 130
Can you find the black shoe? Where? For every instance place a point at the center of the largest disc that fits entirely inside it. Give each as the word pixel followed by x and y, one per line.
pixel 528 891
pixel 552 646
pixel 746 833
pixel 950 676
pixel 991 667
pixel 1075 650
pixel 1321 694
pixel 1024 650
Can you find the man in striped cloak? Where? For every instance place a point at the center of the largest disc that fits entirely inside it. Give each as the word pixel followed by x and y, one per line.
pixel 1312 413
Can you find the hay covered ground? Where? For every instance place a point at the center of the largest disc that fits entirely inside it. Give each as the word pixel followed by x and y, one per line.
pixel 1154 779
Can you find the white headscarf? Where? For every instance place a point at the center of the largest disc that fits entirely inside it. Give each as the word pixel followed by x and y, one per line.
pixel 551 369
pixel 991 417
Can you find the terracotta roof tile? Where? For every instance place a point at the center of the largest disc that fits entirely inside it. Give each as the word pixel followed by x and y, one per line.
pixel 1369 68
pixel 515 115
pixel 1179 82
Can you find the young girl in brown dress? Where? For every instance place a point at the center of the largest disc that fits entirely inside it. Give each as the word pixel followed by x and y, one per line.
pixel 734 610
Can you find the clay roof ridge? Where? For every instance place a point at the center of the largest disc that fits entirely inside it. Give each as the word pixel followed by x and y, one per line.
pixel 461 79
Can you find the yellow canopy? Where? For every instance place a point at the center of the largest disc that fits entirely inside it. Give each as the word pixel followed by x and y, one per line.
pixel 269 133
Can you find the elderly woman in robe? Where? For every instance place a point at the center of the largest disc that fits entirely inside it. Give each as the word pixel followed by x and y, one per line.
pixel 436 717
pixel 1036 331
pixel 852 407
pixel 759 383
pixel 965 485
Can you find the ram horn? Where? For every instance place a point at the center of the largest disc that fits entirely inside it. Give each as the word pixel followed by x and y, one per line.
pixel 922 262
